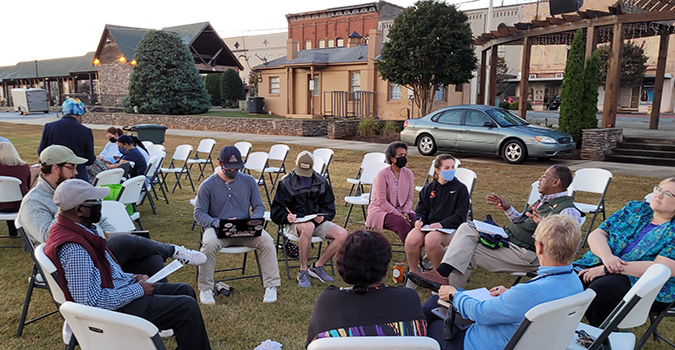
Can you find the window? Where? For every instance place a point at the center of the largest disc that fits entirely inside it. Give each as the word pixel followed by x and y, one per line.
pixel 331 42
pixel 322 43
pixel 451 117
pixel 308 45
pixel 274 85
pixel 440 94
pixel 476 118
pixel 315 92
pixel 458 87
pixel 340 42
pixel 355 83
pixel 394 91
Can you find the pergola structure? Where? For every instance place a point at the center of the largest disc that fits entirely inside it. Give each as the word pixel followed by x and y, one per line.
pixel 637 19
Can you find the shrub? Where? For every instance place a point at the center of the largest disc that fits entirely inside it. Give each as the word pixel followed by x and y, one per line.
pixel 368 127
pixel 515 105
pixel 231 88
pixel 504 104
pixel 572 93
pixel 391 128
pixel 212 83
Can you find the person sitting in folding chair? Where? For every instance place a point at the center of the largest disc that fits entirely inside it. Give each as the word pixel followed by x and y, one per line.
pixel 496 319
pixel 622 248
pixel 229 194
pixel 129 154
pixel 38 213
pixel 89 274
pixel 304 192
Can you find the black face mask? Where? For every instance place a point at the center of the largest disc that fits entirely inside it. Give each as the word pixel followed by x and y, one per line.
pixel 112 139
pixel 94 213
pixel 401 161
pixel 231 174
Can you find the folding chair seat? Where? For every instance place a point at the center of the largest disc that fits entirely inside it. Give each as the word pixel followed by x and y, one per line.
pixel 592 180
pixel 277 153
pixel 283 237
pixel 109 177
pixel 130 194
pixel 236 250
pixel 375 343
pixel 181 155
pixel 368 175
pixel 257 161
pixel 10 191
pixel 372 157
pixel 244 148
pixel 205 146
pixel 327 155
pixel 468 178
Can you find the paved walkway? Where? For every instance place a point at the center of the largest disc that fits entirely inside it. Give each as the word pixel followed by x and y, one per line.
pixel 633 126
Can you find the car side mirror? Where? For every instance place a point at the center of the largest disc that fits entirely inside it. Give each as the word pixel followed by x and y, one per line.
pixel 488 124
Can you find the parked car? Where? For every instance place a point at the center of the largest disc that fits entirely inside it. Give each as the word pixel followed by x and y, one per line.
pixel 484 129
pixel 553 103
pixel 512 99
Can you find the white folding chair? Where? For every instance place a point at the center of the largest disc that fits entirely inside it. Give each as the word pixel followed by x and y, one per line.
pixel 631 312
pixel 277 153
pixel 109 177
pixel 181 155
pixel 375 343
pixel 155 150
pixel 283 237
pixel 10 191
pixel 319 164
pixel 155 178
pixel 372 157
pixel 117 215
pixel 257 161
pixel 327 155
pixel 101 329
pixel 648 198
pixel 130 194
pixel 654 320
pixel 205 146
pixel 430 175
pixel 468 178
pixel 244 147
pixel 193 201
pixel 147 143
pixel 368 175
pixel 592 180
pixel 563 315
pixel 150 173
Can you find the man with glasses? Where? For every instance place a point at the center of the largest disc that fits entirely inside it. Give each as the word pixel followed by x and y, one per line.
pixel 90 275
pixel 471 249
pixel 38 213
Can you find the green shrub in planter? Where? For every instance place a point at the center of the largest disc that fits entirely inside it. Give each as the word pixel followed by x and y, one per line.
pixel 391 128
pixel 515 105
pixel 368 127
pixel 504 104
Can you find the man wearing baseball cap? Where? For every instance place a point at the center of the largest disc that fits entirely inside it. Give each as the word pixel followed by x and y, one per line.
pixel 89 274
pixel 231 194
pixel 38 213
pixel 304 192
pixel 129 153
pixel 68 131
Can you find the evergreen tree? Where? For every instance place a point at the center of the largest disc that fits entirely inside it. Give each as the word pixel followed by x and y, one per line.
pixel 212 83
pixel 633 64
pixel 589 105
pixel 571 95
pixel 165 79
pixel 231 88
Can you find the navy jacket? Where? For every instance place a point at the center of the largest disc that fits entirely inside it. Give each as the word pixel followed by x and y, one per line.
pixel 68 132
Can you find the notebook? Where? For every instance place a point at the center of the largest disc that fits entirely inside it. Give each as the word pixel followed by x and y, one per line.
pixel 235 228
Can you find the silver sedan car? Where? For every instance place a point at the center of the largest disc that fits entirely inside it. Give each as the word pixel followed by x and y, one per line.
pixel 484 129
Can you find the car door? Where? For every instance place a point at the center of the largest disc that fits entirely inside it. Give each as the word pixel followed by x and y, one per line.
pixel 447 128
pixel 476 136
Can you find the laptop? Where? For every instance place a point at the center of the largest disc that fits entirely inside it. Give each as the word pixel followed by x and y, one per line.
pixel 236 228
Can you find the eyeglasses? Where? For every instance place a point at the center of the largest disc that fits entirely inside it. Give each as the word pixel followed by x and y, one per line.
pixel 69 167
pixel 665 194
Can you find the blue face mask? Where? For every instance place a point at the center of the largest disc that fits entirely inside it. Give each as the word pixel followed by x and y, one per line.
pixel 448 175
pixel 121 150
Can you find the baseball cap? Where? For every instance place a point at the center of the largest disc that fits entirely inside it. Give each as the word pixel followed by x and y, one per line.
pixel 125 139
pixel 73 106
pixel 304 164
pixel 230 158
pixel 71 193
pixel 57 154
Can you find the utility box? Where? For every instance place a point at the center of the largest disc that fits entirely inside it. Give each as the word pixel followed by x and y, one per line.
pixel 147 132
pixel 256 105
pixel 30 100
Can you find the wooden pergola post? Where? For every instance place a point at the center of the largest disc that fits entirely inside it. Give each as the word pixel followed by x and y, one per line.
pixel 525 76
pixel 492 87
pixel 591 41
pixel 481 78
pixel 613 79
pixel 658 81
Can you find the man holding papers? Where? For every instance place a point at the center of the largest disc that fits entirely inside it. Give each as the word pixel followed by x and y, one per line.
pixel 231 194
pixel 89 274
pixel 304 192
pixel 469 249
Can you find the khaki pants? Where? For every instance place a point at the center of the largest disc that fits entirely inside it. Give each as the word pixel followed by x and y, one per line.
pixel 465 252
pixel 264 244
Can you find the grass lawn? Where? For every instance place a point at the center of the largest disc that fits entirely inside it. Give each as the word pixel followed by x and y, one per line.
pixel 236 114
pixel 241 321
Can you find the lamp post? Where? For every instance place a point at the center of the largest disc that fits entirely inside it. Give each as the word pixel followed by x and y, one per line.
pixel 37 84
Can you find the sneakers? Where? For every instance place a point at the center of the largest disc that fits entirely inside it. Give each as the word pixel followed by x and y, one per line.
pixel 320 273
pixel 206 297
pixel 303 279
pixel 270 295
pixel 188 256
pixel 167 333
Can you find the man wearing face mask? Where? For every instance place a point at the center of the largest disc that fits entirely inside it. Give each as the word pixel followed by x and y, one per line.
pixel 304 192
pixel 129 153
pixel 38 213
pixel 231 194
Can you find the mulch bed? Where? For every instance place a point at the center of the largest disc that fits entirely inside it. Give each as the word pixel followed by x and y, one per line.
pixel 383 139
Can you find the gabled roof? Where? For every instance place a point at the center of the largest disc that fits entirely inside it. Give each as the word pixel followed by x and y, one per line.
pixel 188 32
pixel 325 56
pixel 52 68
pixel 126 38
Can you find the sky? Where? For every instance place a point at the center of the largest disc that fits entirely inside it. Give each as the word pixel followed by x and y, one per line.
pixel 44 29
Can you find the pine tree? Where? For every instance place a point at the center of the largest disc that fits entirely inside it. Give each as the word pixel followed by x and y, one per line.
pixel 231 88
pixel 589 105
pixel 165 79
pixel 572 92
pixel 212 83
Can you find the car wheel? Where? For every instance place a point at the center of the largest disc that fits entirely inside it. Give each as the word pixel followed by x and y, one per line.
pixel 426 145
pixel 514 152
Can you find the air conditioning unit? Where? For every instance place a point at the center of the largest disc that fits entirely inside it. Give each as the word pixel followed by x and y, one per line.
pixel 558 75
pixel 533 76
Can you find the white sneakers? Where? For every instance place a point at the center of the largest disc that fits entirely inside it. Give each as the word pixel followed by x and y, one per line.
pixel 188 256
pixel 206 297
pixel 270 295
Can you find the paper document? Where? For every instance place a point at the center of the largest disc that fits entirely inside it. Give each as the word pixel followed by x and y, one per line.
pixel 449 231
pixel 166 271
pixel 479 294
pixel 489 229
pixel 305 218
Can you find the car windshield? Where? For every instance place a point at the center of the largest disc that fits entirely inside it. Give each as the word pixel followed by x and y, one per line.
pixel 505 118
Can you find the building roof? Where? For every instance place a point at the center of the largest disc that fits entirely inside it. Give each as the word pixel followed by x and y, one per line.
pixel 330 55
pixel 51 68
pixel 126 38
pixel 188 32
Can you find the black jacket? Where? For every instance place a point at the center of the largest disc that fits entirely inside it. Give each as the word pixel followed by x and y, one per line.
pixel 300 200
pixel 447 204
pixel 68 132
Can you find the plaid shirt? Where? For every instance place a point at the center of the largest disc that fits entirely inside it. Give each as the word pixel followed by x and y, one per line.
pixel 84 279
pixel 512 213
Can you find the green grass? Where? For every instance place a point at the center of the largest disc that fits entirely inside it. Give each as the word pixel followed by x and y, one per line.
pixel 236 114
pixel 241 321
